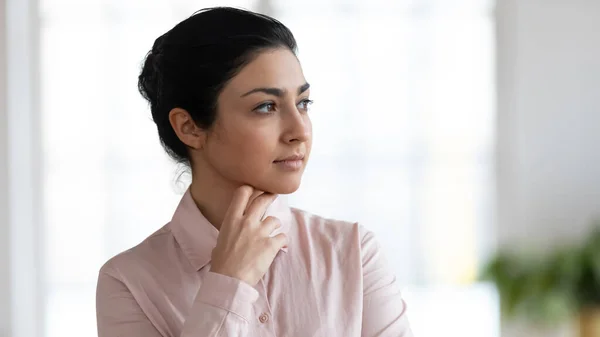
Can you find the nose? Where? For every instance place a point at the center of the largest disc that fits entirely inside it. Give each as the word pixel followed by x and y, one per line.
pixel 298 127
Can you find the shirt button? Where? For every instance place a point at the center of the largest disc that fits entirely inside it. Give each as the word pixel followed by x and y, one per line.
pixel 263 318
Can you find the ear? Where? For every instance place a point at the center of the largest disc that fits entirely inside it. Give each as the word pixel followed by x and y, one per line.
pixel 186 129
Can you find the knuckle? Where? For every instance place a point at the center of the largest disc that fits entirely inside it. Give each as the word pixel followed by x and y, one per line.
pixel 245 189
pixel 271 219
pixel 246 222
pixel 284 237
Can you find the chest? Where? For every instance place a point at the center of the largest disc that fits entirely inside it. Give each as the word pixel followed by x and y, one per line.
pixel 301 295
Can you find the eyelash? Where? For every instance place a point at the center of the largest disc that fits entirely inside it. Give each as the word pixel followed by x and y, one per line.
pixel 306 101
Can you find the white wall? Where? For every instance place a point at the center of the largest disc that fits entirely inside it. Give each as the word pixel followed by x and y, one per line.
pixel 4 234
pixel 548 123
pixel 548 119
pixel 20 229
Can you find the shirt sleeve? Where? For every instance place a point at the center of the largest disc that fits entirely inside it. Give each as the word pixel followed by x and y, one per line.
pixel 384 310
pixel 222 308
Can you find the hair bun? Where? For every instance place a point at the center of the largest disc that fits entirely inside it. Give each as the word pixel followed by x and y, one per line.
pixel 149 80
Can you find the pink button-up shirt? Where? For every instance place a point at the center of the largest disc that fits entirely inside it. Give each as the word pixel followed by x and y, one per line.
pixel 331 281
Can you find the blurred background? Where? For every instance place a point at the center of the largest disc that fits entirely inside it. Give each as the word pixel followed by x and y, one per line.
pixel 454 129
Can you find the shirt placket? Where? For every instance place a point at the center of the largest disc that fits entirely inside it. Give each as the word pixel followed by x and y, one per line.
pixel 262 312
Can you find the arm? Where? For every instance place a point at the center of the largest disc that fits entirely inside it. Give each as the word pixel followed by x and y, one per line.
pixel 222 308
pixel 384 310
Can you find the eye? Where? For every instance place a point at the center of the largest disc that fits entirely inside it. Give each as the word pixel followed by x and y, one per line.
pixel 265 108
pixel 304 104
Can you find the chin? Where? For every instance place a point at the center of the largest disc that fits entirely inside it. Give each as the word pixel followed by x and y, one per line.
pixel 281 186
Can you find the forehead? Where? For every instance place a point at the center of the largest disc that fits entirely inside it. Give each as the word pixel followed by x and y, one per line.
pixel 278 68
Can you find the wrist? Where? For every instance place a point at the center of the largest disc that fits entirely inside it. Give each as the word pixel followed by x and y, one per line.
pixel 236 275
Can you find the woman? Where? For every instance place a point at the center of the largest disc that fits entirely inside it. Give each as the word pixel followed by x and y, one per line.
pixel 229 99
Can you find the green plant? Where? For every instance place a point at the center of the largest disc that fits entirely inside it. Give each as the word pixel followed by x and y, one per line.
pixel 548 289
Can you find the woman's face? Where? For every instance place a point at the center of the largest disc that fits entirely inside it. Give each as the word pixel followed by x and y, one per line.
pixel 263 134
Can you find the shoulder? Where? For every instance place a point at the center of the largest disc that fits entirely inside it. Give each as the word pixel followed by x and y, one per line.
pixel 145 254
pixel 331 232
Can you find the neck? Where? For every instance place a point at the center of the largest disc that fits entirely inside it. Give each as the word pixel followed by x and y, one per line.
pixel 212 193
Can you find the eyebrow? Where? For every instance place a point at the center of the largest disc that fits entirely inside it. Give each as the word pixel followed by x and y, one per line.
pixel 276 91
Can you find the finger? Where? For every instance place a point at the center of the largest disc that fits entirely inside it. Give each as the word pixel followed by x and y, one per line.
pixel 239 202
pixel 269 225
pixel 258 207
pixel 278 241
pixel 257 193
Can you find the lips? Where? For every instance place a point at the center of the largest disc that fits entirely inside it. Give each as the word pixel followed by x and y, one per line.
pixel 290 158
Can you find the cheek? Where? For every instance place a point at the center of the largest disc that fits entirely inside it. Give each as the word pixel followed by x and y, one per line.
pixel 254 152
pixel 241 152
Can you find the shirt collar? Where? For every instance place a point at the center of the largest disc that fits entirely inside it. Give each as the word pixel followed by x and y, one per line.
pixel 197 237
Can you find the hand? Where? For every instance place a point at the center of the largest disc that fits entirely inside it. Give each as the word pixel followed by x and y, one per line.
pixel 244 248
